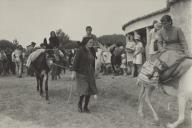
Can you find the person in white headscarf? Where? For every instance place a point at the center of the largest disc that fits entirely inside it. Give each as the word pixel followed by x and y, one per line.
pixel 152 46
pixel 137 56
pixel 130 48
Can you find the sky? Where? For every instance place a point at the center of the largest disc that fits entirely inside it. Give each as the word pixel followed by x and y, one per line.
pixel 32 20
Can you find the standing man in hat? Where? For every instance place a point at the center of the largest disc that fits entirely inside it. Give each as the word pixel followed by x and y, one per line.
pixel 18 58
pixel 30 48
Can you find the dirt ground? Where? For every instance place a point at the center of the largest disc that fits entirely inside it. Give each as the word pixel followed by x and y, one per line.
pixel 116 107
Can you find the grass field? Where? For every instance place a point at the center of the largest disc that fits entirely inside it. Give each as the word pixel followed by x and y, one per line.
pixel 116 107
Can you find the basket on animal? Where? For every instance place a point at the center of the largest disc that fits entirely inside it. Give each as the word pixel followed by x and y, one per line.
pixel 147 69
pixel 169 77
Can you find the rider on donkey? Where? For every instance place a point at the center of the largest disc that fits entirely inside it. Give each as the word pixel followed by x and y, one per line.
pixel 172 46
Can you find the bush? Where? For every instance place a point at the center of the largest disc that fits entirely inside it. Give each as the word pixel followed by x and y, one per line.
pixel 112 39
pixel 4 44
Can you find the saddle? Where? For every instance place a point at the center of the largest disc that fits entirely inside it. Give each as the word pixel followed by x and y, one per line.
pixel 173 73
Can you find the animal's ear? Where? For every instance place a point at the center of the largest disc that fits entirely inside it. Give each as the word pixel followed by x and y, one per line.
pixel 48 46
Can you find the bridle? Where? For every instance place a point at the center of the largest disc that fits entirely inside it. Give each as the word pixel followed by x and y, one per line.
pixel 50 60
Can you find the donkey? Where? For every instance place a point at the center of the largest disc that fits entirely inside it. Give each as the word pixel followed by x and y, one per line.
pixel 183 93
pixel 41 67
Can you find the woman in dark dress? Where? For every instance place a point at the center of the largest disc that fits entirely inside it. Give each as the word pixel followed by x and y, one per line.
pixel 83 71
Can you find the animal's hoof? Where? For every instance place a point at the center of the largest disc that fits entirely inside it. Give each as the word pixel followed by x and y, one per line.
pixel 86 110
pixel 80 109
pixel 47 101
pixel 41 94
pixel 156 123
pixel 140 114
pixel 169 125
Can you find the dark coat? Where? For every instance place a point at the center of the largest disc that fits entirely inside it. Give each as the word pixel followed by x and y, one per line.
pixel 82 62
pixel 53 42
pixel 84 67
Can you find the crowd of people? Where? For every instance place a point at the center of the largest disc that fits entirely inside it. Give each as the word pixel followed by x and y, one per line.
pixel 166 47
pixel 124 59
pixel 129 59
pixel 13 60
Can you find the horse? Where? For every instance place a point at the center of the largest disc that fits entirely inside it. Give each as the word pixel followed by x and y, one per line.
pixel 183 92
pixel 18 58
pixel 3 61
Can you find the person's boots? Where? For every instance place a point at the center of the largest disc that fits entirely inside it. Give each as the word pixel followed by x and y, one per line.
pixel 86 104
pixel 80 103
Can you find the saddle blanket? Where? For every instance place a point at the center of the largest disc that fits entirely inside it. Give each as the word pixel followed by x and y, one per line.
pixel 33 56
pixel 146 69
pixel 169 77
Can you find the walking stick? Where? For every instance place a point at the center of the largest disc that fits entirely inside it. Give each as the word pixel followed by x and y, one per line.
pixel 70 88
pixel 191 116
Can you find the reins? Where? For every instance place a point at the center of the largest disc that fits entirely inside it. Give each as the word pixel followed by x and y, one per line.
pixel 59 65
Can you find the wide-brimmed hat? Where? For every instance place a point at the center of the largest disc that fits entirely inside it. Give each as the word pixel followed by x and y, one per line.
pixel 137 37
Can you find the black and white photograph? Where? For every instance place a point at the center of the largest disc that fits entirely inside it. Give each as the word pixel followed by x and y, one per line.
pixel 95 64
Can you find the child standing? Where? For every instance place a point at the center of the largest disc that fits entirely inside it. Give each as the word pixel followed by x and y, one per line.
pixel 123 64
